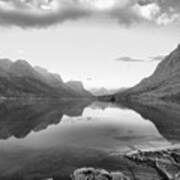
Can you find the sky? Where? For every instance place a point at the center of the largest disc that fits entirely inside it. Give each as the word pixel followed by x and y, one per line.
pixel 103 43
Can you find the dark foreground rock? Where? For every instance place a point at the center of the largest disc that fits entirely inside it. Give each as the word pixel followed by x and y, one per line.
pixel 164 162
pixel 97 174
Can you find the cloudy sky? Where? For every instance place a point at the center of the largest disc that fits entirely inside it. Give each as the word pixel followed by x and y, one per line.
pixel 110 43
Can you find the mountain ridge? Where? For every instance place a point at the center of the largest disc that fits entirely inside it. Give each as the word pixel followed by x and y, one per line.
pixel 20 79
pixel 164 83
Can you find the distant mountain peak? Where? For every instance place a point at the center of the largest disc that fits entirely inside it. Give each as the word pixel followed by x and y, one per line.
pixel 103 91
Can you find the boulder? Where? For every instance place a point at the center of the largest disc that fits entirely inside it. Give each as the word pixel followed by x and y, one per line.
pixel 97 174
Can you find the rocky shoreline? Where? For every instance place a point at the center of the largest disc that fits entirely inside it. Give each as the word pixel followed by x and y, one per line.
pixel 165 162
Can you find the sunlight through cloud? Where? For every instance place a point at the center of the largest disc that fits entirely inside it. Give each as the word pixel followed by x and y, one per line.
pixel 99 4
pixel 44 13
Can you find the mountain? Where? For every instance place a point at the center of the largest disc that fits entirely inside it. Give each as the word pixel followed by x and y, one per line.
pixel 103 91
pixel 164 83
pixel 21 68
pixel 77 87
pixel 54 80
pixel 20 79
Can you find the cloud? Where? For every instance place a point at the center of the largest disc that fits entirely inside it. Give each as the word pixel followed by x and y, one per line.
pixel 134 60
pixel 168 12
pixel 157 58
pixel 36 15
pixel 45 13
pixel 129 59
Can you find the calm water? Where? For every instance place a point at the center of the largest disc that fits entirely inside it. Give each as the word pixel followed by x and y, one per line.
pixel 49 140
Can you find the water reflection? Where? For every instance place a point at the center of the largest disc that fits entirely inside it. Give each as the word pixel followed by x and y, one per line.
pixel 19 119
pixel 165 116
pixel 49 140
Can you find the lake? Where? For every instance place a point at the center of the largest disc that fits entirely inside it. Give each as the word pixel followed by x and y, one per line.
pixel 48 140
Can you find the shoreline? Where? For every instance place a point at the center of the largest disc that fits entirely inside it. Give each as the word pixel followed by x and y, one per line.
pixel 154 149
pixel 165 162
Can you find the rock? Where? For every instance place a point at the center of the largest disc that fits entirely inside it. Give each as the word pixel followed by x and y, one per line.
pixel 119 176
pixel 97 174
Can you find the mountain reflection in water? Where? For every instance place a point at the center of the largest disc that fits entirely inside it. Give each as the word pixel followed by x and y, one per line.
pixel 50 139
